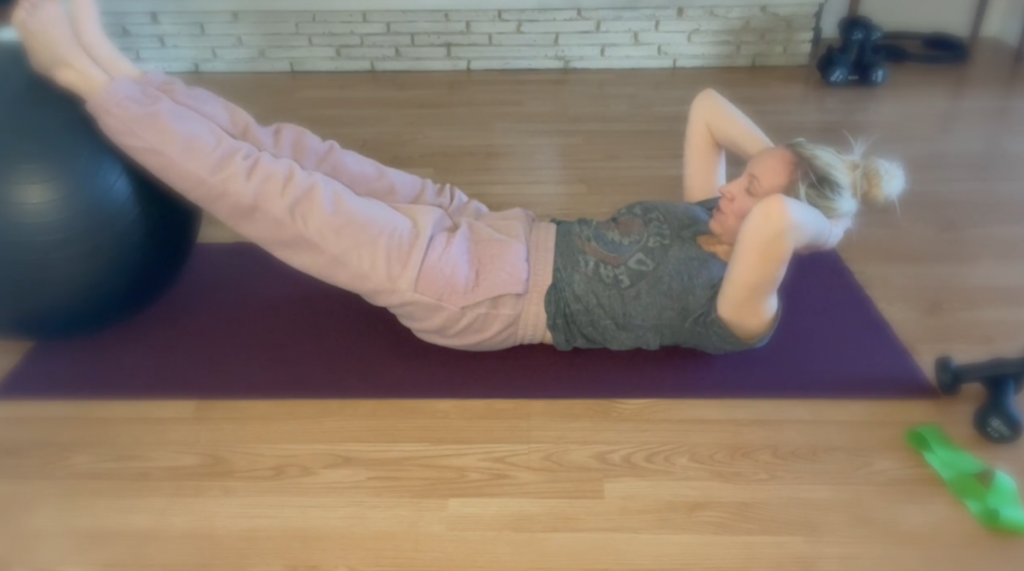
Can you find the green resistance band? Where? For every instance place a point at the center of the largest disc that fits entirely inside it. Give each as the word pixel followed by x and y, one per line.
pixel 990 495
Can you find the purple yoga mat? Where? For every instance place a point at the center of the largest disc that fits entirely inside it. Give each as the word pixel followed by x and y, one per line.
pixel 241 325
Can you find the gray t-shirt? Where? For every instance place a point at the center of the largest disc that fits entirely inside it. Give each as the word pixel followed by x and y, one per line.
pixel 639 280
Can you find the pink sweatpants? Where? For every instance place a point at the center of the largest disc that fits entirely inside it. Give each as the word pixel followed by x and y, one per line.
pixel 453 272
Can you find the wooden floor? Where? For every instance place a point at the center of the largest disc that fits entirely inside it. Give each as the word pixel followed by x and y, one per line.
pixel 572 486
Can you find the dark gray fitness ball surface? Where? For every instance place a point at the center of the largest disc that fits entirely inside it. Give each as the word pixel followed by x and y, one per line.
pixel 86 238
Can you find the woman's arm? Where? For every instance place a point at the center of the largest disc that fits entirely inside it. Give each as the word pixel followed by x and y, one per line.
pixel 714 126
pixel 775 229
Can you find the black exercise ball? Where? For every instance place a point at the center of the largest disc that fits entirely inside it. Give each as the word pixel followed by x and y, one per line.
pixel 87 239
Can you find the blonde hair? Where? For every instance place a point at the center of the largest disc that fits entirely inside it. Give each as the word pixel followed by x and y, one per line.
pixel 838 183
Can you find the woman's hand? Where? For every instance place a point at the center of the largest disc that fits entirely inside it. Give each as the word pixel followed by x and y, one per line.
pixel 814 221
pixel 839 228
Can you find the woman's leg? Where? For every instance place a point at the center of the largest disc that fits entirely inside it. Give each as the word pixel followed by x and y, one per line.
pixel 413 259
pixel 362 175
pixel 306 219
pixel 88 25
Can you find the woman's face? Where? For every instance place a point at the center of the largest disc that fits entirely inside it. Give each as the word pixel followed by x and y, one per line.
pixel 769 172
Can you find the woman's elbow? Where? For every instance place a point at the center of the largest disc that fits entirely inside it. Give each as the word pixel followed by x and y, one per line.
pixel 708 93
pixel 706 97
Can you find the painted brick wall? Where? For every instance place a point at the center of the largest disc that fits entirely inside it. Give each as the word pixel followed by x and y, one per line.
pixel 775 35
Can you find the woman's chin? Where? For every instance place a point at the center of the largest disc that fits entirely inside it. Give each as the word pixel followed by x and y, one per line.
pixel 715 224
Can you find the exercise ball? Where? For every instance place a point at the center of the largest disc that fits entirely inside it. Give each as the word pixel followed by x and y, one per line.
pixel 87 239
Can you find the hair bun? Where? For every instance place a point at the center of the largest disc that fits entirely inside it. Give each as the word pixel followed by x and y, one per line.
pixel 881 181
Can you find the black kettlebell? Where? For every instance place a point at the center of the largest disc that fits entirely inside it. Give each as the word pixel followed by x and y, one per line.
pixel 997 420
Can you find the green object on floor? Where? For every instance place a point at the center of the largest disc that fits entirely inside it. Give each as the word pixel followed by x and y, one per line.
pixel 989 494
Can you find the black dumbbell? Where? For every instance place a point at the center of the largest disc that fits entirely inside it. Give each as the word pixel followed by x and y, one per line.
pixel 869 66
pixel 997 420
pixel 856 58
pixel 836 64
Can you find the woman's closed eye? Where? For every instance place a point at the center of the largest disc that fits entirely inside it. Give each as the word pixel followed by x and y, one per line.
pixel 753 185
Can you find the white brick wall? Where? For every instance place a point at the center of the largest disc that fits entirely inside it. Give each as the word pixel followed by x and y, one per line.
pixel 127 43
pixel 165 29
pixel 281 16
pixel 523 39
pixel 335 17
pixel 494 27
pixel 383 40
pixel 343 28
pixel 378 53
pixel 473 15
pixel 194 18
pixel 272 40
pixel 638 14
pixel 176 54
pixel 439 40
pixel 423 53
pixel 407 16
pixel 539 15
pixel 598 39
pixel 691 50
pixel 192 41
pixel 631 51
pixel 430 27
pixel 450 39
pixel 300 53
pixel 129 18
pixel 342 40
pixel 237 53
pixel 628 26
pixel 559 26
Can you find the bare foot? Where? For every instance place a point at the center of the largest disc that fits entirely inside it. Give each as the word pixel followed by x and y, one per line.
pixel 88 25
pixel 53 50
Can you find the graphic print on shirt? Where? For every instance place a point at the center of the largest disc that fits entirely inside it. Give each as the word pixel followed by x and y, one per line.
pixel 623 250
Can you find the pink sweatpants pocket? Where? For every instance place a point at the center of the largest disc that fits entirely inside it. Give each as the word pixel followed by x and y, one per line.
pixel 474 262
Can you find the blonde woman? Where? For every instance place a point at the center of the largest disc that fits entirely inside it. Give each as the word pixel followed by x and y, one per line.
pixel 702 272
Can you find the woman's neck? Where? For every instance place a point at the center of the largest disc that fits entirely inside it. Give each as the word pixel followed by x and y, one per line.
pixel 715 245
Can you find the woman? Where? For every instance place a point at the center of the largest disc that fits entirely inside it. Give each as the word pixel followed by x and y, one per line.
pixel 702 273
